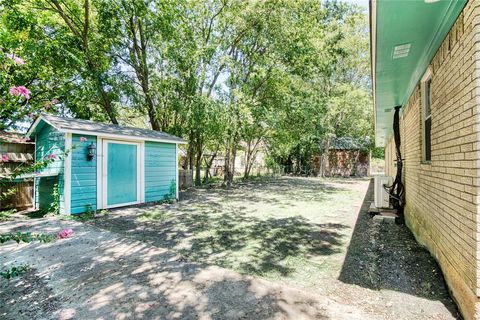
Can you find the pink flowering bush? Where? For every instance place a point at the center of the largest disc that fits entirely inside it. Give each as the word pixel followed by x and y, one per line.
pixel 20 91
pixel 49 104
pixel 17 100
pixel 16 60
pixel 65 233
pixel 83 139
pixel 18 106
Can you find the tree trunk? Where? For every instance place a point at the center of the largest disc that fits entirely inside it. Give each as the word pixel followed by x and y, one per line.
pixel 81 32
pixel 106 103
pixel 190 150
pixel 325 148
pixel 198 162
pixel 250 157
pixel 226 168
pixel 208 165
pixel 231 167
pixel 229 164
pixel 247 157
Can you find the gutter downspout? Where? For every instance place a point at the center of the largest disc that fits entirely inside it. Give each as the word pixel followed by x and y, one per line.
pixel 397 189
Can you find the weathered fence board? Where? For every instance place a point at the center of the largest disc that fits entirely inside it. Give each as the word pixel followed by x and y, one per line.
pixel 15 151
pixel 185 178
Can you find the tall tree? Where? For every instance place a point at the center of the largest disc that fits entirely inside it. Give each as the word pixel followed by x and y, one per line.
pixel 81 20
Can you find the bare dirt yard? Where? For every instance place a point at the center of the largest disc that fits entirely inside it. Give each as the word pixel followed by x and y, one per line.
pixel 287 248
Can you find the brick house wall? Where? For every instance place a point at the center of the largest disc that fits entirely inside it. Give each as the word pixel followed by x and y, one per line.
pixel 442 197
pixel 390 168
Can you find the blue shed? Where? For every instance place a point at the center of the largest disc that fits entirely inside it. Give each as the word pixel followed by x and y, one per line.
pixel 105 166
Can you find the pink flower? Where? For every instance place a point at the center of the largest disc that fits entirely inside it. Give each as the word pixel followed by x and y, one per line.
pixel 5 158
pixel 20 91
pixel 51 156
pixel 18 61
pixel 14 91
pixel 65 233
pixel 24 92
pixel 83 139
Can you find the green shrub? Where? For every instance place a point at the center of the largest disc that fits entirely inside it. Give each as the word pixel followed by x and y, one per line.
pixel 26 237
pixel 14 271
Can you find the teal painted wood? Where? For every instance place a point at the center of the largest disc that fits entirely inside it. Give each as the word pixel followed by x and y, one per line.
pixel 121 173
pixel 84 176
pixel 49 142
pixel 45 192
pixel 160 171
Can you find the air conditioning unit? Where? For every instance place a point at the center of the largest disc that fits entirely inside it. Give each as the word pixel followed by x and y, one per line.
pixel 381 195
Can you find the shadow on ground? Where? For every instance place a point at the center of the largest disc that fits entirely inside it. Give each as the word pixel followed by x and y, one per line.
pixel 209 236
pixel 386 256
pixel 96 274
pixel 256 228
pixel 272 190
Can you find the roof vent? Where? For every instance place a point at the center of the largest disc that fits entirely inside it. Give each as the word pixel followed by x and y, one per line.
pixel 401 51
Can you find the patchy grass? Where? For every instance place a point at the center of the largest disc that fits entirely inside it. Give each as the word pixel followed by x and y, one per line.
pixel 154 215
pixel 294 229
pixel 7 214
pixel 82 217
pixel 29 214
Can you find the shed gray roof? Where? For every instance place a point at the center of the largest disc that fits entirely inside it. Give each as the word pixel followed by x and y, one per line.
pixel 96 128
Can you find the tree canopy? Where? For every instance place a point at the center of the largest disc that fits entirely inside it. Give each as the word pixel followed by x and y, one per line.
pixel 223 74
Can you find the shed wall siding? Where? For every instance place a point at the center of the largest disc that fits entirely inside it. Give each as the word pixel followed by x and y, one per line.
pixel 49 142
pixel 84 176
pixel 442 197
pixel 160 167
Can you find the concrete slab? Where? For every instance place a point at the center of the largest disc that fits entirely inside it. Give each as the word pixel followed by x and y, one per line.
pixel 388 216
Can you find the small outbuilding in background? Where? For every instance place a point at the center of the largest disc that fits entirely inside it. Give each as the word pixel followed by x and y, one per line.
pixel 101 166
pixel 346 157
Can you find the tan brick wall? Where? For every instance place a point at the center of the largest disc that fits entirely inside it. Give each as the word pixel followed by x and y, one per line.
pixel 390 169
pixel 442 198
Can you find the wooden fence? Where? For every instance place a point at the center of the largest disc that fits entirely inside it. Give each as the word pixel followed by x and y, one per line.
pixel 185 178
pixel 15 151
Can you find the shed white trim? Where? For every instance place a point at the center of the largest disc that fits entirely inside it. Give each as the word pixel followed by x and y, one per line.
pixel 35 124
pixel 100 173
pixel 35 207
pixel 176 173
pixel 67 175
pixel 119 136
pixel 100 133
pixel 140 170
